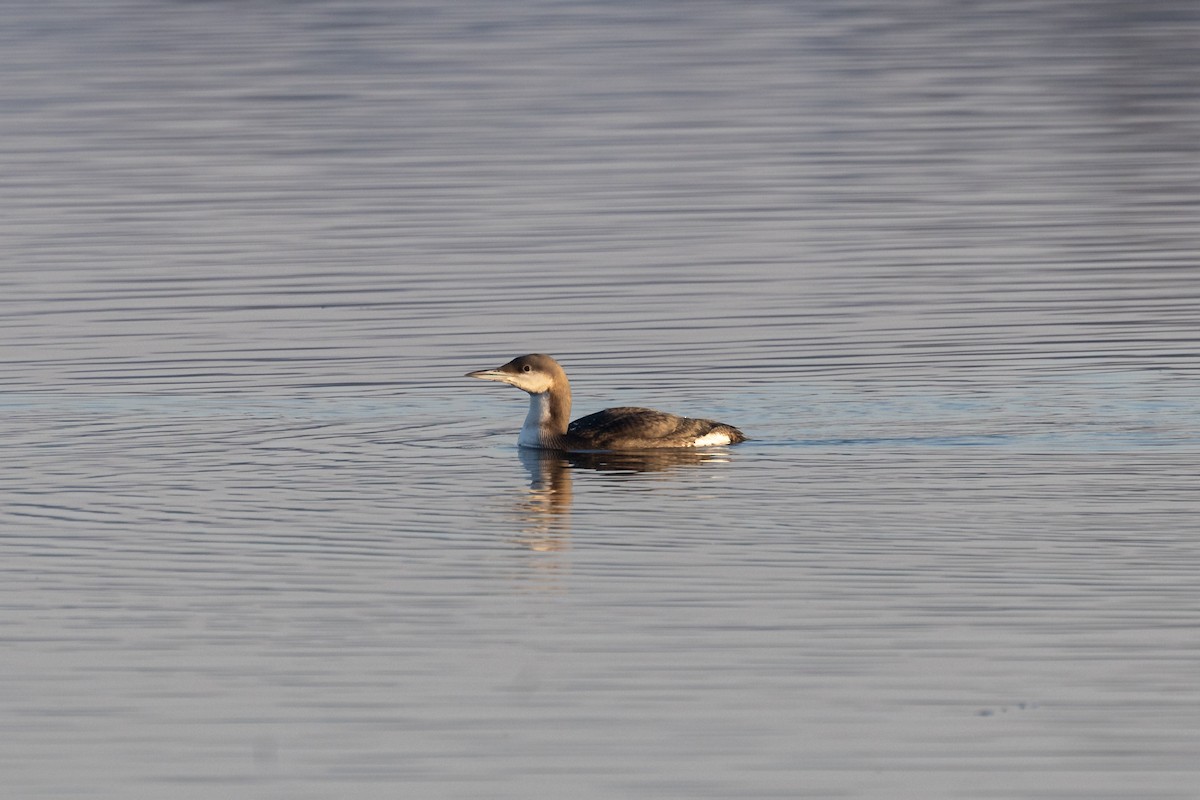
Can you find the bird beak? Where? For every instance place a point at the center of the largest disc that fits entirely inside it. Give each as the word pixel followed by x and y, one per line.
pixel 490 375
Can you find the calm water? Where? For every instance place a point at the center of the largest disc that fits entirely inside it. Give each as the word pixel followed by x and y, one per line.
pixel 259 538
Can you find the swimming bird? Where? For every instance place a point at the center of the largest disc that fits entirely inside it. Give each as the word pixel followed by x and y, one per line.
pixel 624 428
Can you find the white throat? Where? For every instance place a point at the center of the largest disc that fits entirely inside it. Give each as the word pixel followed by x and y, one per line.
pixel 536 421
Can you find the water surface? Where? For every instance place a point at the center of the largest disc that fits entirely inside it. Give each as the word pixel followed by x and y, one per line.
pixel 260 537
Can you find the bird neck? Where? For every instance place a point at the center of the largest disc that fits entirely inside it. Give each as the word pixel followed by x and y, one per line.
pixel 548 417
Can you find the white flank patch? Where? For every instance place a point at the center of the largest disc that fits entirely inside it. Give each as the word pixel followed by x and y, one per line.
pixel 711 439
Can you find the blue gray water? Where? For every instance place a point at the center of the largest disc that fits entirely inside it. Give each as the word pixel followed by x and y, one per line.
pixel 260 538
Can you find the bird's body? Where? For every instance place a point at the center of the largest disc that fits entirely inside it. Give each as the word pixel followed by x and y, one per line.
pixel 623 428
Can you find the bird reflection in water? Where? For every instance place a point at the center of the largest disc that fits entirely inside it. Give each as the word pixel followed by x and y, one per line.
pixel 545 508
pixel 544 515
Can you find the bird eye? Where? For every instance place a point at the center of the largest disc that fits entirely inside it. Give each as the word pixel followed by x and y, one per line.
pixel 526 368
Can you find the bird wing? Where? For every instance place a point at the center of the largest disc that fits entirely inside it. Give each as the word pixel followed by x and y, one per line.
pixel 641 427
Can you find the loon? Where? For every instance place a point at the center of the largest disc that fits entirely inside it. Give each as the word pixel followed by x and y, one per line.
pixel 623 428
